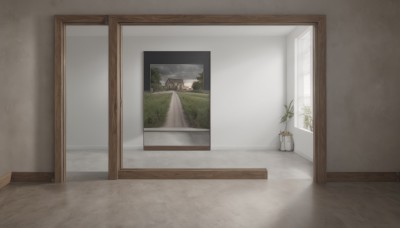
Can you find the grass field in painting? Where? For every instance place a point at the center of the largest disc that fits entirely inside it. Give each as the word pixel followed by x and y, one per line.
pixel 197 108
pixel 155 107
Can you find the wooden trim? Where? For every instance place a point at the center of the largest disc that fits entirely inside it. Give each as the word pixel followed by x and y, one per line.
pixel 320 101
pixel 115 101
pixel 218 19
pixel 176 147
pixel 363 176
pixel 60 22
pixel 82 19
pixel 319 23
pixel 5 179
pixel 59 90
pixel 32 177
pixel 115 89
pixel 193 174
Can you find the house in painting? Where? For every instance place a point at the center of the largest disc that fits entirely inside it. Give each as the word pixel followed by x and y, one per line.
pixel 174 84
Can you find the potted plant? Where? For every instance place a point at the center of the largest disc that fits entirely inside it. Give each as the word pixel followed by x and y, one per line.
pixel 286 138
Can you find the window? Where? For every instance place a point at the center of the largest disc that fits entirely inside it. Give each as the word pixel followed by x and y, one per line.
pixel 303 118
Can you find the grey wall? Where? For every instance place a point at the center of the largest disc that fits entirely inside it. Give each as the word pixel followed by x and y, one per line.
pixel 5 166
pixel 6 101
pixel 363 79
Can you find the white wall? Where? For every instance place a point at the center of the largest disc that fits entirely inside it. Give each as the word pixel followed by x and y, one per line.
pixel 87 92
pixel 247 87
pixel 303 140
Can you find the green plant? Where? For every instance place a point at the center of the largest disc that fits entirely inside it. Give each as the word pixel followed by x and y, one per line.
pixel 289 112
pixel 198 85
pixel 308 119
pixel 155 79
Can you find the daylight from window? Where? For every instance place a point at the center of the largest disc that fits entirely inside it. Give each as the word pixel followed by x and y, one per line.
pixel 304 81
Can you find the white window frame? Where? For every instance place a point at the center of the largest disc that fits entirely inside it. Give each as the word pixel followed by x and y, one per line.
pixel 299 77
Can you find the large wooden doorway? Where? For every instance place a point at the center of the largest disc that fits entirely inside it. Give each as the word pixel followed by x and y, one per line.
pixel 115 92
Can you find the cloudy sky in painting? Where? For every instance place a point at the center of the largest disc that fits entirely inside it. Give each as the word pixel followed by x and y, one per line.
pixel 187 72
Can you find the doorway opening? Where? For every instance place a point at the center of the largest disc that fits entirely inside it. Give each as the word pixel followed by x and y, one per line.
pixel 251 77
pixel 115 23
pixel 86 73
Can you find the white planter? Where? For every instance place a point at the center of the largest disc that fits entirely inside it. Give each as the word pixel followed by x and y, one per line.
pixel 287 143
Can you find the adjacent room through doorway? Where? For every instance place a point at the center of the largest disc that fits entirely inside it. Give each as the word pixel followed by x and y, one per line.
pixel 254 72
pixel 86 69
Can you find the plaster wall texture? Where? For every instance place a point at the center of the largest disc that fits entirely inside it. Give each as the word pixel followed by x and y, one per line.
pixel 363 49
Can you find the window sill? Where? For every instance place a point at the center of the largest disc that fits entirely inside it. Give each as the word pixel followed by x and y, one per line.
pixel 305 130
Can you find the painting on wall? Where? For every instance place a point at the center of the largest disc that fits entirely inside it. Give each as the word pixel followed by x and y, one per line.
pixel 176 100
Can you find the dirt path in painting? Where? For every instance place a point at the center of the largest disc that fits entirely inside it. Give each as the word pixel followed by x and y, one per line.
pixel 175 116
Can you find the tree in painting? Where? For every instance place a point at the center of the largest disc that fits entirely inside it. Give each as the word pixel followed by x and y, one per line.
pixel 155 78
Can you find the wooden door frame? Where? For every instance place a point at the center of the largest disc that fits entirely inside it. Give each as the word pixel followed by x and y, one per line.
pixel 115 90
pixel 60 22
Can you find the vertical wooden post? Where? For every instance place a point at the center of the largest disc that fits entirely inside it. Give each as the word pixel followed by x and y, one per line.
pixel 320 102
pixel 59 100
pixel 61 21
pixel 115 112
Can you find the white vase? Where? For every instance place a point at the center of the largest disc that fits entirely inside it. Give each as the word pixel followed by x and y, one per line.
pixel 287 143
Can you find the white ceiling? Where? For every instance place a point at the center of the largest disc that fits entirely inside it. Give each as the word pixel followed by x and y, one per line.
pixel 181 30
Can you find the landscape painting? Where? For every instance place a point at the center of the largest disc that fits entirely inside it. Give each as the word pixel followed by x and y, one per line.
pixel 176 103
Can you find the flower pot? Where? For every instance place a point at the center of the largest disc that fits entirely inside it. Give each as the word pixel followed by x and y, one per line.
pixel 287 143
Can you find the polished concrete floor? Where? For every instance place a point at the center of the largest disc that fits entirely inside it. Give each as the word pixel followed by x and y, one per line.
pixel 201 203
pixel 288 199
pixel 280 165
pixel 176 137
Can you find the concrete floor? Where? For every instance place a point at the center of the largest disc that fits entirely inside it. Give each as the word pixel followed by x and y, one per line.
pixel 288 199
pixel 201 203
pixel 280 165
pixel 176 137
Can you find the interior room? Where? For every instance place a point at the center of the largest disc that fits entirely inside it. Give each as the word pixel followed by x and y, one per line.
pixel 253 75
pixel 87 103
pixel 87 138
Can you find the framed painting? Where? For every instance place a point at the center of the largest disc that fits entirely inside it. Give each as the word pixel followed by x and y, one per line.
pixel 176 100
